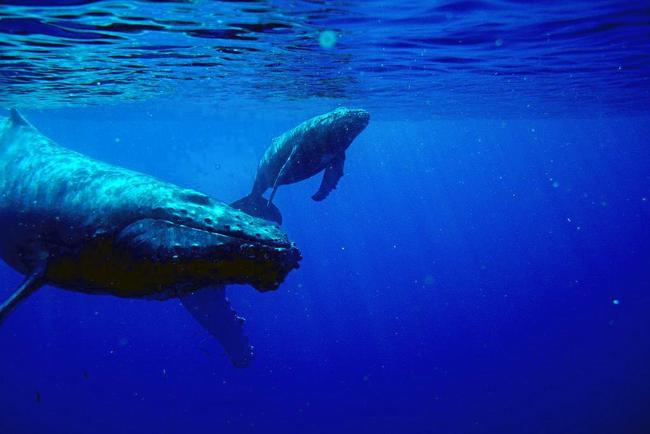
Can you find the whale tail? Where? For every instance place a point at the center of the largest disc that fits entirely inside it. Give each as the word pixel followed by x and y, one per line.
pixel 258 206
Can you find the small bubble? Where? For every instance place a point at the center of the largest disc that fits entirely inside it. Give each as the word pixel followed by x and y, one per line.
pixel 616 302
pixel 556 184
pixel 498 42
pixel 327 39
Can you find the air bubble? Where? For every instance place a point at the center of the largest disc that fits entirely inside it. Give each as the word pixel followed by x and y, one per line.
pixel 327 39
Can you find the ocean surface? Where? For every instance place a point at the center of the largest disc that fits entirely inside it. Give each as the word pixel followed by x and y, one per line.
pixel 482 267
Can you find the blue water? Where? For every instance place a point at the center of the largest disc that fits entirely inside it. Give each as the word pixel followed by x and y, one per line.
pixel 483 266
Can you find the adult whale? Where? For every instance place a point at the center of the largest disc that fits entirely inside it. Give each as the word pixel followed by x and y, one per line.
pixel 316 145
pixel 87 226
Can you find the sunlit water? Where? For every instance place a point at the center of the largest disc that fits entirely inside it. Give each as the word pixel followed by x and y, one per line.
pixel 441 57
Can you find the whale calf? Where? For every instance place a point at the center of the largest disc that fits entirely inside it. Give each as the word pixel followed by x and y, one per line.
pixel 316 145
pixel 83 225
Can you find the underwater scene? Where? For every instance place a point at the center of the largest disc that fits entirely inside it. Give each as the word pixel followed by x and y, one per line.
pixel 324 216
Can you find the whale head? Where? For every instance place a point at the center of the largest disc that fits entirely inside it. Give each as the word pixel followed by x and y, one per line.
pixel 342 126
pixel 186 242
pixel 198 241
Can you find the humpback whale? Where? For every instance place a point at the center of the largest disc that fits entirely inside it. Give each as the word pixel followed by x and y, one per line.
pixel 79 224
pixel 316 145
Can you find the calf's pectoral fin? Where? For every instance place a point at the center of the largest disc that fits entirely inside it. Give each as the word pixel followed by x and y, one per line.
pixel 31 283
pixel 281 173
pixel 211 309
pixel 331 177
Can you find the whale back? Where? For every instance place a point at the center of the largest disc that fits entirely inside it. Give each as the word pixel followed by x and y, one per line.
pixel 75 197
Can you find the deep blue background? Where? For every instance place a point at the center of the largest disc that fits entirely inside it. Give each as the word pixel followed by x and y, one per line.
pixel 461 279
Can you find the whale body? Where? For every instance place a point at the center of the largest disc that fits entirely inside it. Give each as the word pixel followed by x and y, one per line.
pixel 316 145
pixel 83 225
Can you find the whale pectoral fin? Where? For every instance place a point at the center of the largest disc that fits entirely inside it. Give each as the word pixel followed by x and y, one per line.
pixel 331 177
pixel 211 309
pixel 281 173
pixel 31 283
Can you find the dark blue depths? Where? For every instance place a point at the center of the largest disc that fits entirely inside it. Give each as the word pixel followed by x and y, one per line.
pixel 467 276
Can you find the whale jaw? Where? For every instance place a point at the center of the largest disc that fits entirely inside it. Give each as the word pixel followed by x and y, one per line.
pixel 203 257
pixel 159 259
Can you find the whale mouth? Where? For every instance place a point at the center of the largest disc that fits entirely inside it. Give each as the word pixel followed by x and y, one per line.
pixel 191 257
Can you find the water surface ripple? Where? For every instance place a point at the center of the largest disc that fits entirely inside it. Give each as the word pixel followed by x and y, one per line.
pixel 445 56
